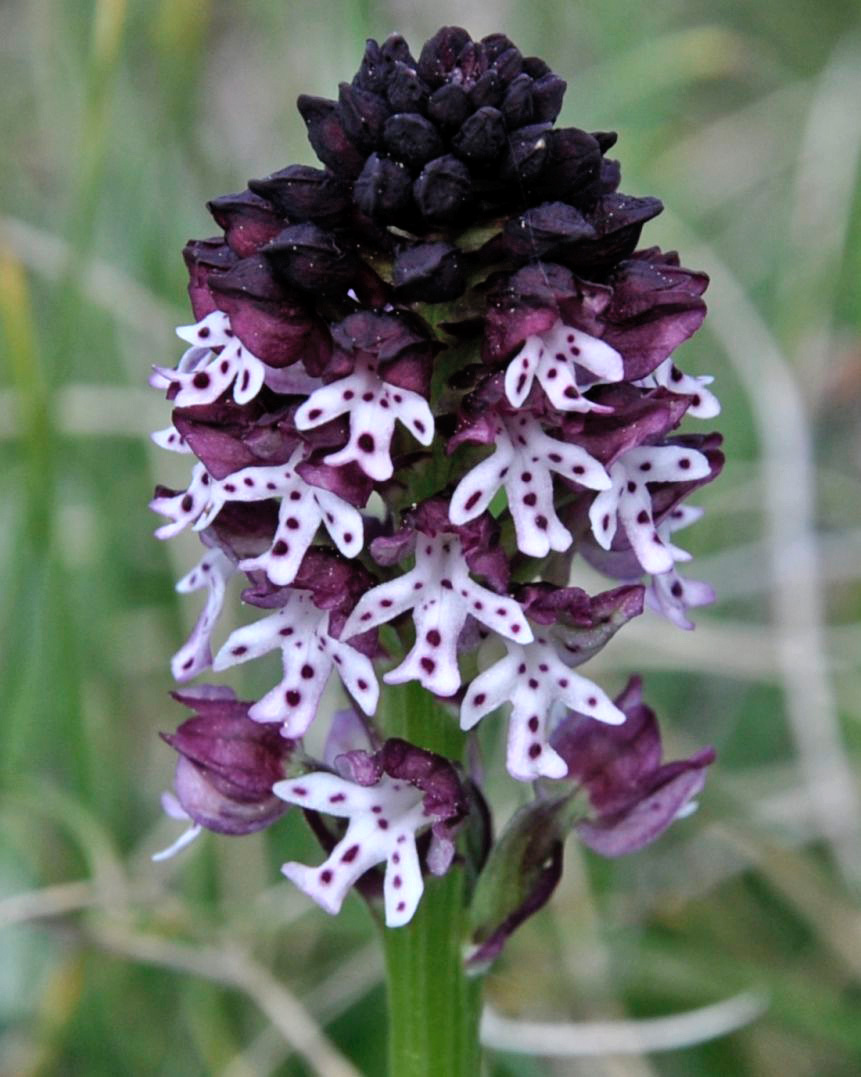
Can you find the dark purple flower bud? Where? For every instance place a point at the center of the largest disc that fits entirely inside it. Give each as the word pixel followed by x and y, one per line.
pixel 362 115
pixel 429 273
pixel 327 136
pixel 269 319
pixel 247 219
pixel 440 54
pixel 548 91
pixel 574 165
pixel 546 229
pixel 527 154
pixel 482 137
pixel 521 873
pixel 405 90
pixel 487 91
pixel 228 437
pixel 312 259
pixel 618 220
pixel 443 191
pixel 517 107
pixel 205 259
pixel 634 797
pixel 411 138
pixel 449 106
pixel 379 62
pixel 227 766
pixel 301 193
pixel 656 305
pixel 384 188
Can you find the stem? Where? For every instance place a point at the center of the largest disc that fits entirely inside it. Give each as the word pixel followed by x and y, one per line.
pixel 433 1006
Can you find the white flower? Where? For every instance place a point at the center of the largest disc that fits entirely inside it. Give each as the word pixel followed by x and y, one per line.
pixel 215 361
pixel 303 508
pixel 669 593
pixel 532 679
pixel 309 654
pixel 628 500
pixel 212 571
pixel 704 405
pixel 553 358
pixel 384 819
pixel 373 405
pixel 523 462
pixel 441 595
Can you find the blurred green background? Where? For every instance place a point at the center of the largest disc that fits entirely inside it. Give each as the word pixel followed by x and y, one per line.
pixel 741 929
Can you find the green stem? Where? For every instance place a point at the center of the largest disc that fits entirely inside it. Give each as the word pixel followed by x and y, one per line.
pixel 433 1006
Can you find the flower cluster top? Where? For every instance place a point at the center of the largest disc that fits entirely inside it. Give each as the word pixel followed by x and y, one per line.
pixel 420 380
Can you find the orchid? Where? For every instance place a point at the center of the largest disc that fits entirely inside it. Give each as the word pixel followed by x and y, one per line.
pixel 422 379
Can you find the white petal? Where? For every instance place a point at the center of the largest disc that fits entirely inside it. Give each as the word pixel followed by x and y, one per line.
pixel 489 690
pixel 520 372
pixel 212 572
pixel 403 885
pixel 665 463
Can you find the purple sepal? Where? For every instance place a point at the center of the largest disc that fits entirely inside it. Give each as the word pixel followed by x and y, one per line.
pixel 228 765
pixel 528 303
pixel 521 873
pixel 637 418
pixel 301 193
pixel 227 437
pixel 388 550
pixel 617 220
pixel 348 482
pixel 444 798
pixel 248 220
pixel 310 258
pixel 243 528
pixel 634 797
pixel 336 585
pixel 272 323
pixel 205 259
pixel 656 305
pixel 384 339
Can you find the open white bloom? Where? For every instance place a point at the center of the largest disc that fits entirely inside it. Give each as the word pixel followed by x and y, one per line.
pixel 628 500
pixel 303 508
pixel 553 358
pixel 441 595
pixel 373 405
pixel 704 404
pixel 523 462
pixel 309 654
pixel 215 361
pixel 532 678
pixel 669 593
pixel 212 571
pixel 384 819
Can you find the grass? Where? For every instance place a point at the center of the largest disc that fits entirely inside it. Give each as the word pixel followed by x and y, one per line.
pixel 119 119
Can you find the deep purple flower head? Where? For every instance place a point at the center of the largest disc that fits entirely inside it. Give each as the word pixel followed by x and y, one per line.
pixel 227 765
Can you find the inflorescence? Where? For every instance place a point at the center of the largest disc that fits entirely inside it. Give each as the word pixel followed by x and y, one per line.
pixel 421 379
